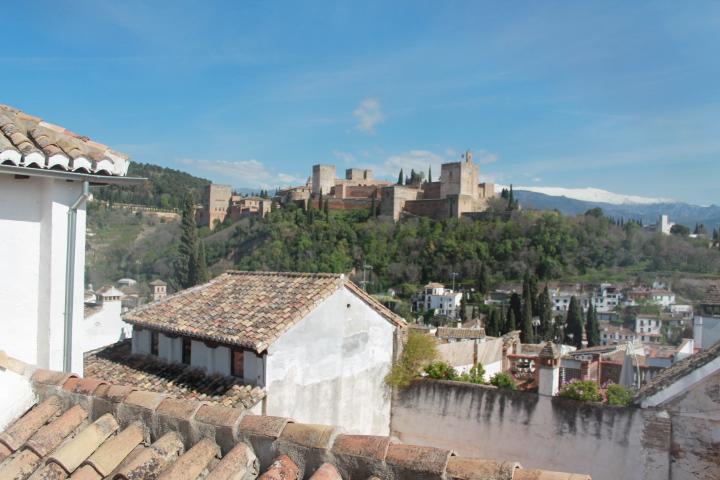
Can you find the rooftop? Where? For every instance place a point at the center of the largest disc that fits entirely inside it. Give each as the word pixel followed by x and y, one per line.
pixel 89 429
pixel 28 141
pixel 712 296
pixel 248 309
pixel 465 333
pixel 115 364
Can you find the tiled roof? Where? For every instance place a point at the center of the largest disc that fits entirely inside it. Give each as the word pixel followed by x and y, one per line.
pixel 712 296
pixel 27 141
pixel 115 364
pixel 157 283
pixel 672 374
pixel 550 350
pixel 249 309
pixel 466 333
pixel 87 429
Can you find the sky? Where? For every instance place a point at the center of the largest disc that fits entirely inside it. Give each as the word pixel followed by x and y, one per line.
pixel 623 96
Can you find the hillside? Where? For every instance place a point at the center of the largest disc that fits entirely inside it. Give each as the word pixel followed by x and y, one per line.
pixel 164 187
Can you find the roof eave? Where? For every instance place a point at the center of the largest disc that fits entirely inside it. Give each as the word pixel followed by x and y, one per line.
pixel 65 175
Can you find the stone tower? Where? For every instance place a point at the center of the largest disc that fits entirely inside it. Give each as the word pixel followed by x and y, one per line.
pixel 459 178
pixel 323 179
pixel 159 290
pixel 548 370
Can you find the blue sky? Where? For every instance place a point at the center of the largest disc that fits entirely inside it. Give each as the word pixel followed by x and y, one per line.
pixel 623 96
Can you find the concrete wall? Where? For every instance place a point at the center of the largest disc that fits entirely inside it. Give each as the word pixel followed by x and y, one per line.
pixel 104 327
pixel 33 222
pixel 609 443
pixel 463 355
pixel 329 367
pixel 706 331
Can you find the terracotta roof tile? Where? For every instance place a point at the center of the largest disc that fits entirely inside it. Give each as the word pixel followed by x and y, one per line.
pixel 194 462
pixel 362 446
pixel 76 451
pixel 52 435
pixel 27 141
pixel 249 309
pixel 115 449
pixel 20 431
pixel 151 461
pixel 21 466
pixel 240 462
pixel 282 468
pixel 459 468
pixel 465 333
pixel 117 365
pixel 326 472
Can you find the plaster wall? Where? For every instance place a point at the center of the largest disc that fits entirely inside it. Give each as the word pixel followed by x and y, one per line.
pixel 539 432
pixel 16 399
pixel 104 327
pixel 213 360
pixel 706 331
pixel 141 342
pixel 33 222
pixel 170 348
pixel 329 367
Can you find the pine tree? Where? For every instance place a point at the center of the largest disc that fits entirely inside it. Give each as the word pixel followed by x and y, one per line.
pixel 202 271
pixel 186 269
pixel 526 335
pixel 430 174
pixel 401 177
pixel 592 326
pixel 574 323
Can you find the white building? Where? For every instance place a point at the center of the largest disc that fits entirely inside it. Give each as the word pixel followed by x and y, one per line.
pixel 664 298
pixel 45 177
pixel 615 334
pixel 664 225
pixel 607 298
pixel 443 300
pixel 706 323
pixel 103 324
pixel 317 344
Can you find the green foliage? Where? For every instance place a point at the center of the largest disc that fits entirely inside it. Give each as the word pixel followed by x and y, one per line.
pixel 503 380
pixel 592 326
pixel 420 350
pixel 441 371
pixel 187 261
pixel 680 230
pixel 582 390
pixel 619 395
pixel 164 189
pixel 475 375
pixel 574 328
pixel 527 334
pixel 202 270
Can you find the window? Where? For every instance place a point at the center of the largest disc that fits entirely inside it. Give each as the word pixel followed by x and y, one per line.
pixel 237 363
pixel 186 350
pixel 154 343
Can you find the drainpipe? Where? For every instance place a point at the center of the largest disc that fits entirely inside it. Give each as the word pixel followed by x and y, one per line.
pixel 70 274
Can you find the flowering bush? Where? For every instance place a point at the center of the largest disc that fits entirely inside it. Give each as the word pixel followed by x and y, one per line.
pixel 582 390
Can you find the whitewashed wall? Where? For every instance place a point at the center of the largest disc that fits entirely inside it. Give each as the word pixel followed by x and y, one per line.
pixel 104 327
pixel 33 235
pixel 329 368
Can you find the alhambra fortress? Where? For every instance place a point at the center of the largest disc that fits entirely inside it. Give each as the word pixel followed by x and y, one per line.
pixel 457 193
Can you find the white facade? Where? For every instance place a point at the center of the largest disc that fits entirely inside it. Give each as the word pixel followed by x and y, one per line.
pixel 103 327
pixel 443 300
pixel 330 367
pixel 706 330
pixel 33 238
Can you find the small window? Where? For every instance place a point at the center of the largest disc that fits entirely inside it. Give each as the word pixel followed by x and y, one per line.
pixel 186 350
pixel 154 343
pixel 237 363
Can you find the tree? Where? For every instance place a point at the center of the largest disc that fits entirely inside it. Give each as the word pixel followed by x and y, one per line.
pixel 503 380
pixel 420 350
pixel 326 207
pixel 582 391
pixel 574 330
pixel 546 314
pixel 373 208
pixel 526 335
pixel 680 230
pixel 483 283
pixel 516 307
pixel 187 267
pixel 401 177
pixel 510 324
pixel 492 323
pixel 202 270
pixel 430 173
pixel 596 212
pixel 592 326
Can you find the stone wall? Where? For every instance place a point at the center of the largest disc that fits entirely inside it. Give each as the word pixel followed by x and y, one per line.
pixel 437 209
pixel 607 442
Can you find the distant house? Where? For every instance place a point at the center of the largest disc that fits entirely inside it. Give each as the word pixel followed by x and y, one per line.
pixel 45 176
pixel 451 334
pixel 159 290
pixel 706 324
pixel 317 345
pixel 103 324
pixel 443 301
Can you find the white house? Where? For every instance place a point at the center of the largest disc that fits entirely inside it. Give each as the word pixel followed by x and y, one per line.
pixel 706 323
pixel 443 300
pixel 103 324
pixel 45 177
pixel 317 344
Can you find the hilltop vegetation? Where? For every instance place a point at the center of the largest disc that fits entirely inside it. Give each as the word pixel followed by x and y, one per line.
pixel 418 250
pixel 165 187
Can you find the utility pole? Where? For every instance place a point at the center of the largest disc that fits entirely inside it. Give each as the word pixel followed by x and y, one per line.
pixel 454 274
pixel 365 281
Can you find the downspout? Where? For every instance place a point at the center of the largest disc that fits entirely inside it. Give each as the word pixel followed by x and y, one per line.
pixel 70 274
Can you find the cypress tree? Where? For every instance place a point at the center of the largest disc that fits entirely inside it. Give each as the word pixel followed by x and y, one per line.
pixel 501 325
pixel 326 207
pixel 526 335
pixel 593 327
pixel 401 177
pixel 511 199
pixel 516 307
pixel 510 324
pixel 546 314
pixel 430 173
pixel 491 326
pixel 186 269
pixel 373 208
pixel 202 271
pixel 574 323
pixel 483 284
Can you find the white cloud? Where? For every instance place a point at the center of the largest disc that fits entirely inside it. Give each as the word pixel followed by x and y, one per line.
pixel 243 173
pixel 483 157
pixel 345 157
pixel 368 114
pixel 420 160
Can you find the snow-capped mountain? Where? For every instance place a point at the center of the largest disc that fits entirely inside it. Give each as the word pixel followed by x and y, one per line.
pixel 595 195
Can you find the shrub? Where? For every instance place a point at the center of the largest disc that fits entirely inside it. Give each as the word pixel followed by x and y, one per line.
pixel 582 390
pixel 503 380
pixel 619 395
pixel 475 375
pixel 419 351
pixel 441 371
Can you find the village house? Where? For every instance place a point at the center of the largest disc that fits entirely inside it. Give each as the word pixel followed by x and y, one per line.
pixel 314 347
pixel 706 323
pixel 444 301
pixel 46 172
